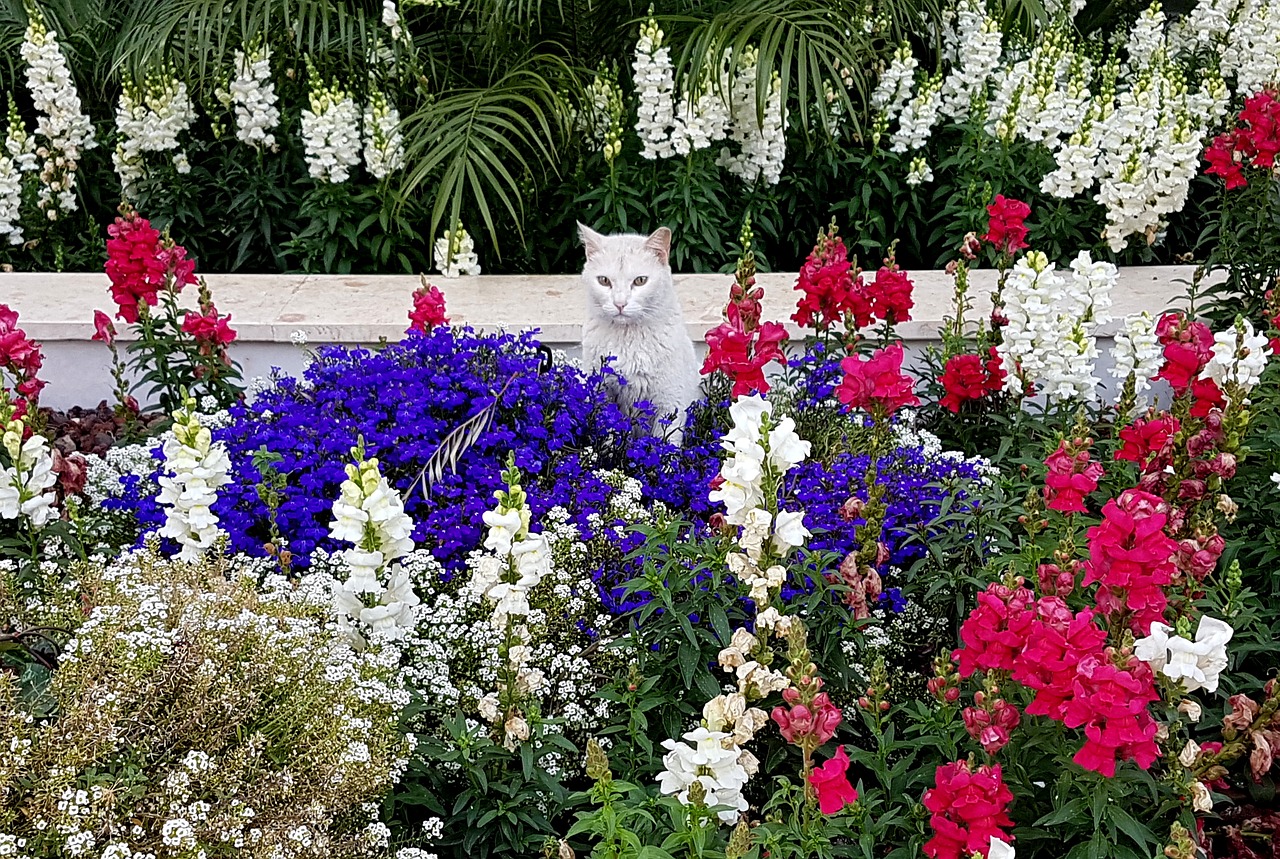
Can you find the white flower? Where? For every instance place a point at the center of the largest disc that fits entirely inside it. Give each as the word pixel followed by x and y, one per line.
pixel 789 531
pixel 894 88
pixel 391 18
pixel 708 762
pixel 1197 664
pixel 150 117
pixel 196 469
pixel 66 131
pixel 455 254
pixel 1275 478
pixel 1239 357
pixel 978 55
pixel 17 157
pixel 383 143
pixel 786 449
pixel 762 146
pixel 1000 849
pixel 704 117
pixel 24 484
pixel 253 96
pixel 655 93
pixel 331 133
pixel 1137 351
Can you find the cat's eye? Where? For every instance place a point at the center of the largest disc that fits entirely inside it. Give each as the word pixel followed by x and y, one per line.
pixel 602 280
pixel 640 281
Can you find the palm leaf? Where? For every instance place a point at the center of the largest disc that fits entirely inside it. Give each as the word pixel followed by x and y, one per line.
pixel 456 443
pixel 477 146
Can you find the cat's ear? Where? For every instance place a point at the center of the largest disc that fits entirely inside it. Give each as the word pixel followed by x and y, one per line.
pixel 660 244
pixel 591 240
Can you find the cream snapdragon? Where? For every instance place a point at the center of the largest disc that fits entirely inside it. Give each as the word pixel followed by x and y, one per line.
pixel 196 467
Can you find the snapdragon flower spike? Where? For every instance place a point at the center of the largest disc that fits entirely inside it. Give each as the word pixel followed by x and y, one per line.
pixel 1071 476
pixel 1006 224
pixel 829 285
pixel 1110 696
pixel 877 385
pixel 742 346
pixel 428 308
pixel 140 263
pixel 197 467
pixel 1255 143
pixel 967 810
pixel 21 359
pixel 1188 346
pixel 26 480
pixel 968 378
pixel 1131 558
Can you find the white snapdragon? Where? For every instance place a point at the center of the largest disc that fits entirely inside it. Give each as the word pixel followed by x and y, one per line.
pixel 894 88
pixel 1196 664
pixel 601 116
pixel 918 117
pixel 762 147
pixel 704 759
pixel 196 467
pixel 704 115
pixel 1239 357
pixel 377 592
pixel 17 157
pixel 1137 351
pixel 331 133
pixel 65 130
pixel 919 172
pixel 391 18
pixel 978 55
pixel 455 253
pixel 252 96
pixel 655 90
pixel 26 481
pixel 150 118
pixel 1251 51
pixel 383 143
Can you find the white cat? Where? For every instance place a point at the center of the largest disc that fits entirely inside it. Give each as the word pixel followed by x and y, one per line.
pixel 634 316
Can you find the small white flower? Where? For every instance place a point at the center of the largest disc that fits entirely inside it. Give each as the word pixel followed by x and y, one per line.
pixel 1197 664
pixel 455 254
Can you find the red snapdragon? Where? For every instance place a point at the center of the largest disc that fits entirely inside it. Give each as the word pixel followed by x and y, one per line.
pixel 20 357
pixel 1056 640
pixel 809 724
pixel 1006 227
pixel 831 784
pixel 967 809
pixel 208 328
pixel 1110 696
pixel 140 262
pixel 827 280
pixel 1188 346
pixel 877 384
pixel 996 630
pixel 104 328
pixel 1146 441
pixel 742 346
pixel 1072 475
pixel 1254 143
pixel 1132 559
pixel 889 294
pixel 428 308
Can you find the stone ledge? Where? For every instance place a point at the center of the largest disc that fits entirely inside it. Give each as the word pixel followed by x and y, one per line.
pixel 364 308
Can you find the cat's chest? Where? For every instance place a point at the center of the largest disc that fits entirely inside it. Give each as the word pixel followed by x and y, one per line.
pixel 637 350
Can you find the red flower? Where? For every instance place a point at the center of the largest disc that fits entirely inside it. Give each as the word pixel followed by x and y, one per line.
pixel 104 328
pixel 995 631
pixel 209 329
pixel 1207 396
pixel 967 810
pixel 877 384
pixel 743 355
pixel 1146 437
pixel 1056 640
pixel 139 264
pixel 1188 346
pixel 1005 227
pixel 21 357
pixel 428 308
pixel 1072 476
pixel 827 281
pixel 890 295
pixel 831 784
pixel 964 379
pixel 815 722
pixel 1221 155
pixel 1109 701
pixel 1132 558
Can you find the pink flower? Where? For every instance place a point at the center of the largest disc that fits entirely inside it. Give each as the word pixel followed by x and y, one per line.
pixel 1005 226
pixel 814 723
pixel 827 281
pixel 105 329
pixel 209 329
pixel 877 384
pixel 995 631
pixel 831 783
pixel 1147 437
pixel 1072 476
pixel 139 264
pixel 890 295
pixel 1132 558
pixel 991 724
pixel 428 308
pixel 742 346
pixel 1109 700
pixel 1187 345
pixel 967 810
pixel 1056 640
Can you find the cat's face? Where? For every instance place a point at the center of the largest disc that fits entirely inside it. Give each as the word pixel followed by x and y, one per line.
pixel 628 277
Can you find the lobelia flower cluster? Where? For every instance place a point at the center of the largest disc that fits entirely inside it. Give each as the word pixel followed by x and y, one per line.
pixel 196 468
pixel 519 562
pixel 455 254
pixel 742 346
pixel 251 94
pixel 330 132
pixel 150 117
pixel 63 132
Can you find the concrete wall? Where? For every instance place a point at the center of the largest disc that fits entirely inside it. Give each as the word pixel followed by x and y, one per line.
pixel 57 310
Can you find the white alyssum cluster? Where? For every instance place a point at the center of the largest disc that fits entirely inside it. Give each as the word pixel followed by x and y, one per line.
pixel 1050 336
pixel 655 90
pixel 1196 664
pixel 383 142
pixel 1137 351
pixel 195 468
pixel 149 118
pixel 762 146
pixel 377 592
pixel 252 96
pixel 25 482
pixel 17 157
pixel 64 129
pixel 455 253
pixel 1239 358
pixel 331 133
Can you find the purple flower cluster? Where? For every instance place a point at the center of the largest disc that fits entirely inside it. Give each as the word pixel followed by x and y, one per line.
pixel 405 399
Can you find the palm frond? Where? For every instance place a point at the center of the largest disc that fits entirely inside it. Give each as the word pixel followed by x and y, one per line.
pixel 476 146
pixel 805 41
pixel 459 440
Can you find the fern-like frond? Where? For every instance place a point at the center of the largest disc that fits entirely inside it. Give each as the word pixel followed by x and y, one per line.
pixel 460 439
pixel 475 147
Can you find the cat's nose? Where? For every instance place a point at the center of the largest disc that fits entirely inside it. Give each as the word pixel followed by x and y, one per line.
pixel 621 305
